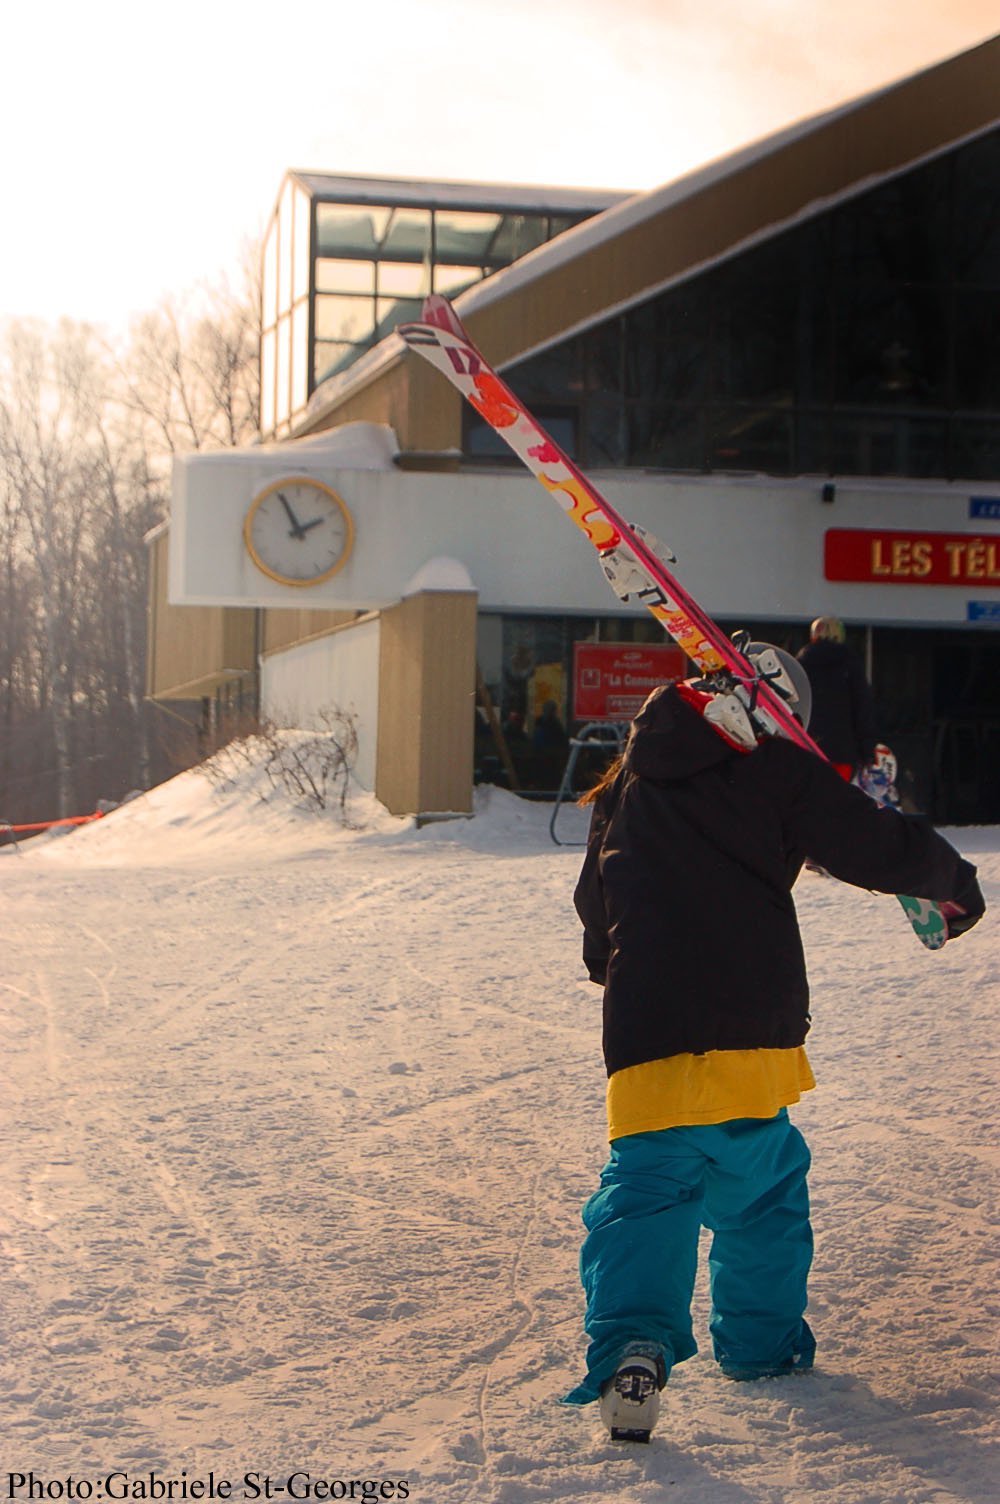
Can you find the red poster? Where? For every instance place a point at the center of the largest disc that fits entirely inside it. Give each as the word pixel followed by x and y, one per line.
pixel 896 558
pixel 612 679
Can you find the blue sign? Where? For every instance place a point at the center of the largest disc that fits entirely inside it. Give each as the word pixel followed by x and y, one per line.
pixel 987 612
pixel 985 506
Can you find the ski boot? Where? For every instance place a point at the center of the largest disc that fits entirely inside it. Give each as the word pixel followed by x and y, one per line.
pixel 630 1400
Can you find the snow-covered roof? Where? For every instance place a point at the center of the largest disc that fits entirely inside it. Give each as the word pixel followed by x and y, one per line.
pixel 347 189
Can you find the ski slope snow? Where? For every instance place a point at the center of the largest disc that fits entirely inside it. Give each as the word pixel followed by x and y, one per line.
pixel 296 1124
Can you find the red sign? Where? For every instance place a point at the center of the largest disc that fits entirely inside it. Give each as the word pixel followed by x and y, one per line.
pixel 612 679
pixel 911 558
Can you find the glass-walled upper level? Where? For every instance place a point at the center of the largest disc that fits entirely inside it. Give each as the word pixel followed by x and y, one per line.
pixel 347 259
pixel 863 342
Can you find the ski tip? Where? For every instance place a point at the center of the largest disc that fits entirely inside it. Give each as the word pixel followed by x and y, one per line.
pixel 928 920
pixel 417 334
pixel 438 311
pixel 937 941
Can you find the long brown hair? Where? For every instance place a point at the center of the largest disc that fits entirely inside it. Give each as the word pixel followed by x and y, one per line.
pixel 605 781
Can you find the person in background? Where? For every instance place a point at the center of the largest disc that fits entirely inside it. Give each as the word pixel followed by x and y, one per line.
pixel 513 727
pixel 549 734
pixel 696 840
pixel 843 710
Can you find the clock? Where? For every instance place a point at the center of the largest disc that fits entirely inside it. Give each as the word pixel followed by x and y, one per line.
pixel 298 531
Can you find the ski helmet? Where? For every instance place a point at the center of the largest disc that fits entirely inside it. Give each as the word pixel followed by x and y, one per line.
pixel 784 675
pixel 827 629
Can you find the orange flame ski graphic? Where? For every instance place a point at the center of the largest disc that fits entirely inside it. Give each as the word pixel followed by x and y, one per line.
pixel 580 508
pixel 491 400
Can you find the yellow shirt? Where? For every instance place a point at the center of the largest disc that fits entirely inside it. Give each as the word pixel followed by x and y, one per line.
pixel 688 1090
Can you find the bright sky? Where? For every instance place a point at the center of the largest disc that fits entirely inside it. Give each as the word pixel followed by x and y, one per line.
pixel 143 146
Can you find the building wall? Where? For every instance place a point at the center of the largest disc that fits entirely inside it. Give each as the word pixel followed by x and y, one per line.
pixel 407 675
pixel 427 686
pixel 406 396
pixel 193 650
pixel 337 671
pixel 747 545
pixel 282 628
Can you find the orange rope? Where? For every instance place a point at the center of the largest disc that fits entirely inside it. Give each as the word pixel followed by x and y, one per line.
pixel 47 824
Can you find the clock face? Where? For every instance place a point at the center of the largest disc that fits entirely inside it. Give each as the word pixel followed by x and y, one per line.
pixel 298 531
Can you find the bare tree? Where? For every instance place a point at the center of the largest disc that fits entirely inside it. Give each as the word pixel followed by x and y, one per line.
pixel 86 436
pixel 125 505
pixel 14 621
pixel 190 375
pixel 44 452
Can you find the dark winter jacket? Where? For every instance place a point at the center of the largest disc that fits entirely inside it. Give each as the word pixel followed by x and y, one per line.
pixel 685 889
pixel 843 711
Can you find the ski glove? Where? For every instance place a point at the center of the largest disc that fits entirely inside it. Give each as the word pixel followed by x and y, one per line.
pixel 965 910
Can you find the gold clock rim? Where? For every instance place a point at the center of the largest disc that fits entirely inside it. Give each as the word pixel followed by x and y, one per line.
pixel 316 485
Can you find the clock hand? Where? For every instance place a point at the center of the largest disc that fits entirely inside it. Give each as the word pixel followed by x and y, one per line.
pixel 314 523
pixel 297 531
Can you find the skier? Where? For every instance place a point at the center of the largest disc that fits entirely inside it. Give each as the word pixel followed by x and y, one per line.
pixel 690 928
pixel 843 712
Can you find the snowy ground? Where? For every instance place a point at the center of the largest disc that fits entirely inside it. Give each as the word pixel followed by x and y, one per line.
pixel 296 1126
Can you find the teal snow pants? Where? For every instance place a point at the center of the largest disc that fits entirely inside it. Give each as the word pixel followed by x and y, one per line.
pixel 744 1180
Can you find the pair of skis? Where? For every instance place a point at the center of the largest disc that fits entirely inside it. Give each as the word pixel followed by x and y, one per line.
pixel 635 564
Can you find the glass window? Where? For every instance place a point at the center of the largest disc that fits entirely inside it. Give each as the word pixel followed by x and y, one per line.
pixel 977 212
pixel 329 357
pixel 481 442
pixel 464 237
pixel 408 236
pixel 604 441
pixel 666 436
pixel 267 368
pixel 892 345
pixel 754 343
pixel 285 241
pixel 344 276
pixel 396 256
pixel 393 311
pixel 975 449
pixel 813 336
pixel 400 279
pixel 899 232
pixel 922 447
pixel 517 235
pixel 977 348
pixel 344 318
pixel 867 443
pixel 554 374
pixel 451 280
pixel 557 223
pixel 344 230
pixel 282 385
pixel 667 356
pixel 746 438
pixel 603 357
pixel 300 356
pixel 303 215
pixel 812 443
pixel 269 277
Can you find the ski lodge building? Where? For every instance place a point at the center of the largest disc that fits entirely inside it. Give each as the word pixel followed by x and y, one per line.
pixel 786 365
